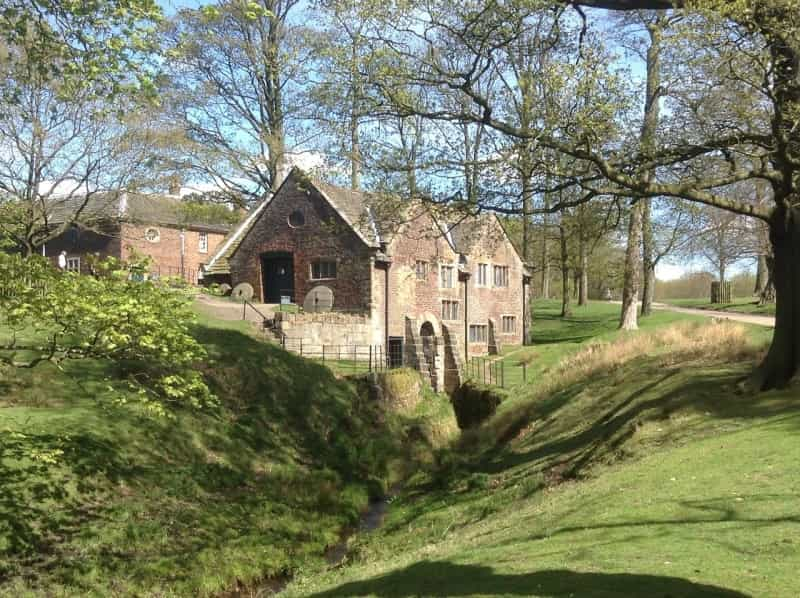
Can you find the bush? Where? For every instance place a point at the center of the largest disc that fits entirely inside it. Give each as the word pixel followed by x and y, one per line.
pixel 48 316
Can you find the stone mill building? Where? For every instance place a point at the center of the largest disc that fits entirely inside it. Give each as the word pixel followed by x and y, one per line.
pixel 428 286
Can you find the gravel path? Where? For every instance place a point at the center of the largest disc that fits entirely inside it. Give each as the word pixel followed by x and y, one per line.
pixel 723 315
pixel 225 309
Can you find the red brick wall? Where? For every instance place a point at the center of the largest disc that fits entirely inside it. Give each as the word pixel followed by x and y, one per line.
pixel 325 235
pixel 83 243
pixel 493 248
pixel 420 239
pixel 166 252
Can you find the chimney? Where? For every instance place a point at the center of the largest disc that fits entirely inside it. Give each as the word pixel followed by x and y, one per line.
pixel 175 184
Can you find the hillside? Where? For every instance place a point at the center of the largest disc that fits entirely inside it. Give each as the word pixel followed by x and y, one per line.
pixel 636 467
pixel 100 498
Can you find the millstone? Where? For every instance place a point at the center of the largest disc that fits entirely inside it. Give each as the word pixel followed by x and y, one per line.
pixel 320 298
pixel 243 290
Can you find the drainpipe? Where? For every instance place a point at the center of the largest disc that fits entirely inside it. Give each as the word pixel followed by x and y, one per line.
pixel 386 309
pixel 466 318
pixel 183 251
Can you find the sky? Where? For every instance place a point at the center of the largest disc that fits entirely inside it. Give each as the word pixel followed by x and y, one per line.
pixel 664 271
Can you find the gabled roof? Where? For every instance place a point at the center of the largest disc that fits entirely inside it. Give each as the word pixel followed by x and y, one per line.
pixel 218 264
pixel 126 206
pixel 375 218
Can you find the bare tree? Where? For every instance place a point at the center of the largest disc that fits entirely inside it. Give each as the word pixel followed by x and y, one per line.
pixel 60 146
pixel 233 67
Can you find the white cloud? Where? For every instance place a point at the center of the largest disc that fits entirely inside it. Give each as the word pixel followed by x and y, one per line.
pixel 665 271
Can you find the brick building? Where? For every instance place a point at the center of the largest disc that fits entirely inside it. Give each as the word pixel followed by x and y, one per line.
pixel 119 224
pixel 427 285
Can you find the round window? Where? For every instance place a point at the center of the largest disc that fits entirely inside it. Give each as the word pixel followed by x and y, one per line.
pixel 152 235
pixel 296 219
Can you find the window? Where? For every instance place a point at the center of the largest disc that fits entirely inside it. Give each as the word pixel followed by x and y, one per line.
pixel 297 219
pixel 422 270
pixel 509 324
pixel 478 333
pixel 74 264
pixel 323 269
pixel 501 276
pixel 449 310
pixel 152 235
pixel 203 243
pixel 446 281
pixel 483 275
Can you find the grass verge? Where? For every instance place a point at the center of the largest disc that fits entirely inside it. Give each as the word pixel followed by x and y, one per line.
pixel 635 467
pixel 99 500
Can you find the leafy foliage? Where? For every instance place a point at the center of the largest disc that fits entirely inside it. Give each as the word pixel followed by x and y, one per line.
pixel 52 316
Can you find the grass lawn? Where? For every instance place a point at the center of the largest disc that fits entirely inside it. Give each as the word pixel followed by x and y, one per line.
pixel 743 306
pixel 98 499
pixel 555 337
pixel 636 468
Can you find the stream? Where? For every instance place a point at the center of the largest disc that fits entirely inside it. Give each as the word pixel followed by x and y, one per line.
pixel 371 519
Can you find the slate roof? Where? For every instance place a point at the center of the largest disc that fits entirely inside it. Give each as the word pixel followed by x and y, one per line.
pixel 374 218
pixel 129 207
pixel 219 264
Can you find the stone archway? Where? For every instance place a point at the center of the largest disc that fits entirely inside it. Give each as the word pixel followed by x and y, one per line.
pixel 431 361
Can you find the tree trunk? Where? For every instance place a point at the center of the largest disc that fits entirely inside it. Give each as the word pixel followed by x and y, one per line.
pixel 649 130
pixel 566 309
pixel 648 265
pixel 545 253
pixel 782 362
pixel 762 275
pixel 630 290
pixel 583 274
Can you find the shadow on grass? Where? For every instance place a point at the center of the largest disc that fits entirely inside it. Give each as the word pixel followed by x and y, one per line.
pixel 610 418
pixel 442 578
pixel 88 494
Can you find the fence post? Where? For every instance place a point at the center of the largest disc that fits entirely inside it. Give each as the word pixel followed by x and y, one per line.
pixel 502 374
pixel 524 373
pixel 323 352
pixel 370 358
pixel 301 347
pixel 244 309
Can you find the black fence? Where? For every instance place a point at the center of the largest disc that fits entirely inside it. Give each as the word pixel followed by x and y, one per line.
pixel 496 371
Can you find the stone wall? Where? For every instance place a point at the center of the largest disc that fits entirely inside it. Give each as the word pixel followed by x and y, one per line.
pixel 337 332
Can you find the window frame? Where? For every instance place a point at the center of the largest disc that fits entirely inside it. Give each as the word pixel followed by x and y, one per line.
pixel 423 266
pixel 319 263
pixel 503 319
pixel 202 242
pixel 76 259
pixel 450 269
pixel 503 277
pixel 479 333
pixel 156 237
pixel 450 307
pixel 483 268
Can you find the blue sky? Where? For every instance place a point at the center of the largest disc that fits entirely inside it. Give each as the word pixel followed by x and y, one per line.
pixel 665 270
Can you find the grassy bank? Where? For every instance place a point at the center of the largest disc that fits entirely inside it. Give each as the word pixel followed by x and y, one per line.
pixel 636 467
pixel 741 306
pixel 99 499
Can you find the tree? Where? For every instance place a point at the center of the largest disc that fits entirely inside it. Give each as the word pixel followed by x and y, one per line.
pixel 756 50
pixel 60 145
pixel 233 70
pixel 48 316
pixel 99 46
